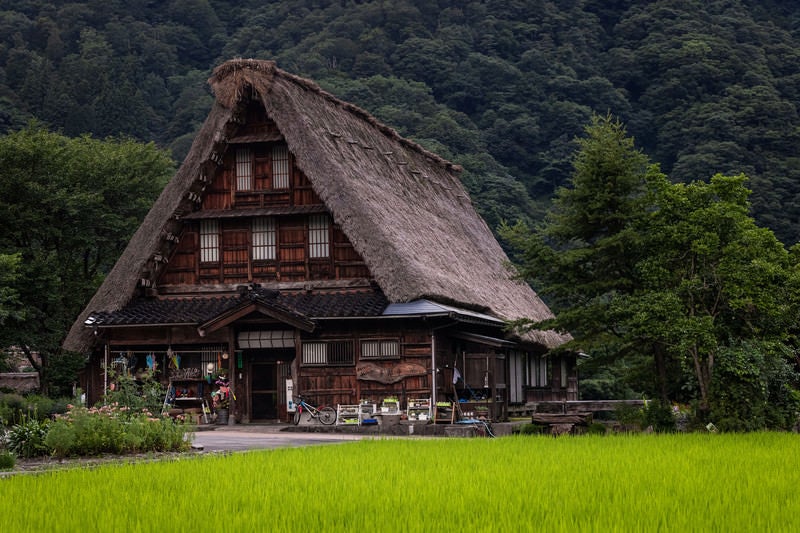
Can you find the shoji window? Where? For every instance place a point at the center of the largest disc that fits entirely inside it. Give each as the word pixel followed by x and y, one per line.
pixel 209 241
pixel 264 239
pixel 318 236
pixel 280 167
pixel 244 169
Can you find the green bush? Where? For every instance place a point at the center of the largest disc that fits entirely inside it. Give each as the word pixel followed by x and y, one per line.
pixel 77 431
pixel 629 415
pixel 27 439
pixel 145 393
pixel 60 439
pixel 659 416
pixel 11 408
pixel 7 460
pixel 532 429
pixel 115 429
pixel 45 407
pixel 754 388
pixel 15 408
pixel 596 429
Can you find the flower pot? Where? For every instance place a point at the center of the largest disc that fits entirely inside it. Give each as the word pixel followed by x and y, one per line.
pixel 222 416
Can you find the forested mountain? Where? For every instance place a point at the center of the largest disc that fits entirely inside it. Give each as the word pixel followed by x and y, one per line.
pixel 500 87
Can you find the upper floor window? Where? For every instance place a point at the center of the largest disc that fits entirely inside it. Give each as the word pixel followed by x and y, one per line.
pixel 318 236
pixel 209 241
pixel 264 239
pixel 280 167
pixel 244 169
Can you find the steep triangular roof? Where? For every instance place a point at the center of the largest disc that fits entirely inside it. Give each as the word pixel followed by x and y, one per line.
pixel 403 208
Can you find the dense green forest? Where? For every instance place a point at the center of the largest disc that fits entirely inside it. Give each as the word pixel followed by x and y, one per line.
pixel 500 87
pixel 95 96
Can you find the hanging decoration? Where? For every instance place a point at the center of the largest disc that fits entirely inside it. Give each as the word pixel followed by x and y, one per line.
pixel 174 358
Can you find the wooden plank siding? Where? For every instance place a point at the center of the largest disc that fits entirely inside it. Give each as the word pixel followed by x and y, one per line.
pixel 333 385
pixel 236 265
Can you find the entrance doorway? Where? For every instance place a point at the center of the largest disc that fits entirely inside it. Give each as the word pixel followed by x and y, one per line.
pixel 268 389
pixel 264 390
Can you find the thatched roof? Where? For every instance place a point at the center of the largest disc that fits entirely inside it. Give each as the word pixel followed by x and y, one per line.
pixel 403 208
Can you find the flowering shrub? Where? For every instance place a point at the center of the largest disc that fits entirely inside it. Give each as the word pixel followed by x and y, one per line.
pixel 114 429
pixel 144 392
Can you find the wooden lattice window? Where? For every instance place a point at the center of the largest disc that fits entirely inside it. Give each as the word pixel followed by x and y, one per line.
pixel 264 239
pixel 537 371
pixel 318 236
pixel 244 169
pixel 280 167
pixel 209 241
pixel 380 349
pixel 333 353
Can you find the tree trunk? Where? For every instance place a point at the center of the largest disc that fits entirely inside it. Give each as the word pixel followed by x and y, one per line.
pixel 661 372
pixel 703 375
pixel 39 367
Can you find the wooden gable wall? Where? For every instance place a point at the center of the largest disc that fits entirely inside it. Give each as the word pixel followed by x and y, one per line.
pixel 290 208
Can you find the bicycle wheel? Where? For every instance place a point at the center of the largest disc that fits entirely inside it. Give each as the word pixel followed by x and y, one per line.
pixel 327 415
pixel 297 414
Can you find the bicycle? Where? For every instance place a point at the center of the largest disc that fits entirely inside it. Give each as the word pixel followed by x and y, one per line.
pixel 326 415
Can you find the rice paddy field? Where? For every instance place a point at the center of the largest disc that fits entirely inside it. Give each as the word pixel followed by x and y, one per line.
pixel 681 483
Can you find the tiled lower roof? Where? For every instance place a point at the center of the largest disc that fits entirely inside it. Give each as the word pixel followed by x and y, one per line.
pixel 201 309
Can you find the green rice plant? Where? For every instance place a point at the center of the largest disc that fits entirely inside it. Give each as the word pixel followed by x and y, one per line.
pixel 658 482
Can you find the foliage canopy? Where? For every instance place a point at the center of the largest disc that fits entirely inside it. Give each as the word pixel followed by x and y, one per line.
pixel 704 86
pixel 67 209
pixel 636 265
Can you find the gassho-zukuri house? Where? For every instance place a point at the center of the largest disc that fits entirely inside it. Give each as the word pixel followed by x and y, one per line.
pixel 305 248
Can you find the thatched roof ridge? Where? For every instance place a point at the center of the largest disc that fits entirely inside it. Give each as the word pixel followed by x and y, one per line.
pixel 403 208
pixel 229 79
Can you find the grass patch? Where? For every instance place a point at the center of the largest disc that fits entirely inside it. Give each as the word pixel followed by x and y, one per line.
pixel 670 482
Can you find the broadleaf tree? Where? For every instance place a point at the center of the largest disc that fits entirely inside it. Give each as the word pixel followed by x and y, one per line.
pixel 67 209
pixel 634 265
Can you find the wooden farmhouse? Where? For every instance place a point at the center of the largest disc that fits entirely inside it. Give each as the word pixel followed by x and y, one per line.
pixel 305 248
